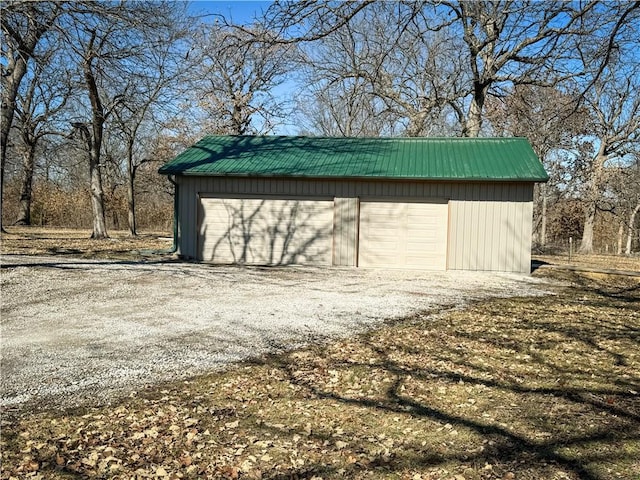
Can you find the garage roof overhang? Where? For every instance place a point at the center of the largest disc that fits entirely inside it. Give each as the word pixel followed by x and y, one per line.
pixel 434 159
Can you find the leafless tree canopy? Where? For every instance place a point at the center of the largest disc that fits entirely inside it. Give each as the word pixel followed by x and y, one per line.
pixel 235 76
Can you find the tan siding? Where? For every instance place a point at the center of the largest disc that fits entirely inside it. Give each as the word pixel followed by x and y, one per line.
pixel 455 235
pixel 488 218
pixel 501 210
pixel 518 250
pixel 527 228
pixel 502 221
pixel 345 231
pixel 475 227
pixel 482 245
pixel 490 228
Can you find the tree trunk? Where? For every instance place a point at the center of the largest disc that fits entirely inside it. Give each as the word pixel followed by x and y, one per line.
pixel 9 91
pixel 543 217
pixel 474 123
pixel 97 197
pixel 131 217
pixel 95 145
pixel 26 188
pixel 632 221
pixel 586 244
pixel 592 197
pixel 620 235
pixel 131 199
pixel 131 203
pixel 15 69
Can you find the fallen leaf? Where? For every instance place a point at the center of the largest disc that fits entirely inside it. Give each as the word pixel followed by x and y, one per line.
pixel 32 466
pixel 161 472
pixel 230 472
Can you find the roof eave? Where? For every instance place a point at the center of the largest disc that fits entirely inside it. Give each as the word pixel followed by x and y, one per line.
pixel 360 178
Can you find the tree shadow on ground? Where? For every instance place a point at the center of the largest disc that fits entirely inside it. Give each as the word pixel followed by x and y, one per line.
pixel 538 392
pixel 524 388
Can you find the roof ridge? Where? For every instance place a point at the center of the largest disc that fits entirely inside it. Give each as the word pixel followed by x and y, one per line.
pixel 363 138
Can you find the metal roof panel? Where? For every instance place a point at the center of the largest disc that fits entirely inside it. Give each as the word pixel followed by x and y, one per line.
pixel 497 159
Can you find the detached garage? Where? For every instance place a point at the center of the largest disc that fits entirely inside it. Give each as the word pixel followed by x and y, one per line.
pixel 425 203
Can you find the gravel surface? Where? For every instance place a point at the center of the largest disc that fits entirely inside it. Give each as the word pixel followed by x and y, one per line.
pixel 80 332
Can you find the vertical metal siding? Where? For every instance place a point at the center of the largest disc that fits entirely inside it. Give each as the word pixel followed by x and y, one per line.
pixel 490 223
pixel 345 231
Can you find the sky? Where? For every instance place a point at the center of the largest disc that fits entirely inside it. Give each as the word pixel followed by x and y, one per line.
pixel 240 11
pixel 244 12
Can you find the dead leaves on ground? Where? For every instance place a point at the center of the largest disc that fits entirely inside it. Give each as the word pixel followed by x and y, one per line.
pixel 56 241
pixel 518 388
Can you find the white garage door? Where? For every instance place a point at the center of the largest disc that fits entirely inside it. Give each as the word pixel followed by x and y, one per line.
pixel 265 231
pixel 403 235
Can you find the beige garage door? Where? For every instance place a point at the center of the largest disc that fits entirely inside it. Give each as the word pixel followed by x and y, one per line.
pixel 403 235
pixel 265 231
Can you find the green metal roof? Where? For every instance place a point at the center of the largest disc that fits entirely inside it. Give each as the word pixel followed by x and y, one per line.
pixel 463 159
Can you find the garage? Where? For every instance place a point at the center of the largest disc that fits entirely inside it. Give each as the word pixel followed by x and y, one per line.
pixel 404 203
pixel 403 234
pixel 265 231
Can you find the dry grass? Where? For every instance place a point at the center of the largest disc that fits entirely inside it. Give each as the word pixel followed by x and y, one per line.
pixel 57 241
pixel 60 241
pixel 522 388
pixel 611 262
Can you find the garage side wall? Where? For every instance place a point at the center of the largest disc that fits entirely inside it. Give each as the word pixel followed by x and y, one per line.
pixel 490 224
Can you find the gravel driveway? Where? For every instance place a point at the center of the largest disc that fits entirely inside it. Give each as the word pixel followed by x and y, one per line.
pixel 81 331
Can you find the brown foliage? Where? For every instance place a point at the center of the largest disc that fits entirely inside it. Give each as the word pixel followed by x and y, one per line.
pixel 56 206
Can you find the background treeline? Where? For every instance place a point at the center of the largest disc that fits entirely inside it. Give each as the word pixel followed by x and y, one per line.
pixel 96 95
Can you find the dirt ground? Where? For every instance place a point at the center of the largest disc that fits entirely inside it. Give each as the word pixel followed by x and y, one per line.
pixel 523 388
pixel 77 330
pixel 610 262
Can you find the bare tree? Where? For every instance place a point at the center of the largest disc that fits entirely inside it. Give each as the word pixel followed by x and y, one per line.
pixel 92 132
pixel 420 81
pixel 112 44
pixel 308 20
pixel 24 24
pixel 112 52
pixel 145 106
pixel 341 70
pixel 614 102
pixel 37 105
pixel 237 76
pixel 340 110
pixel 550 120
pixel 373 74
pixel 513 43
pixel 506 42
pixel 623 192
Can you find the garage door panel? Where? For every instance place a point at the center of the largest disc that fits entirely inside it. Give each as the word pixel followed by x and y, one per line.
pixel 403 235
pixel 260 231
pixel 384 235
